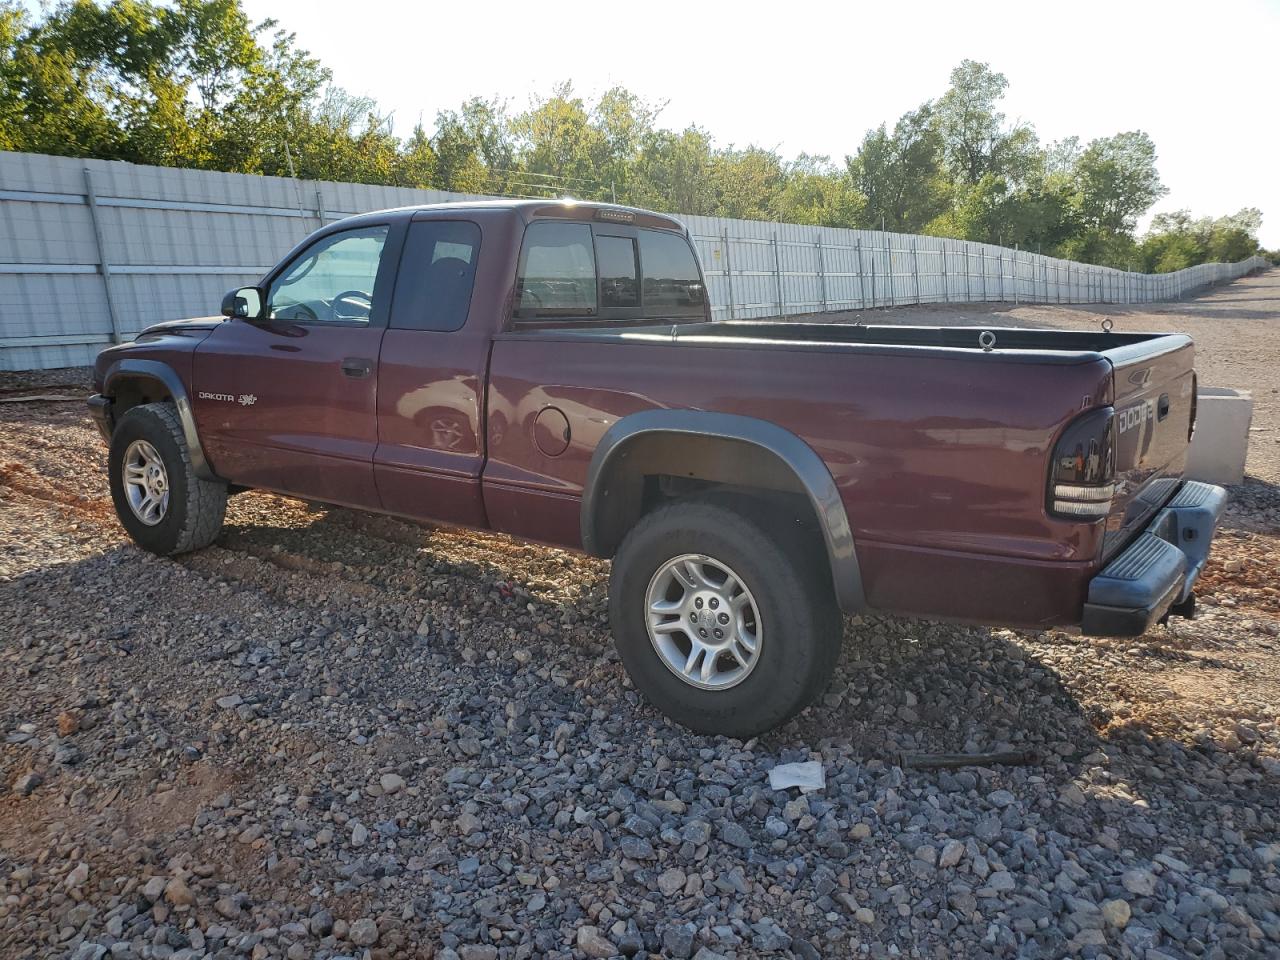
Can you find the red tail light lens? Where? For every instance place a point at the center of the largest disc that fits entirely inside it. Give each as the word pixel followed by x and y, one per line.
pixel 1082 473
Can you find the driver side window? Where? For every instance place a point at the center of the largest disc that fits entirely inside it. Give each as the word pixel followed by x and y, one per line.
pixel 331 281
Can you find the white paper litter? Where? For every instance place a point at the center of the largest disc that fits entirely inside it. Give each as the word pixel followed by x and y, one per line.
pixel 808 776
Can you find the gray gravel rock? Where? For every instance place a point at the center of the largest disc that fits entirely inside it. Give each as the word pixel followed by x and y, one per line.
pixel 593 944
pixel 1139 882
pixel 363 932
pixel 491 788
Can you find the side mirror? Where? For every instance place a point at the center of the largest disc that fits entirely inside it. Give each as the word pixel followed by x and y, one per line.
pixel 243 304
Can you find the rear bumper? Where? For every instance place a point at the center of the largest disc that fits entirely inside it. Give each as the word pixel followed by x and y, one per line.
pixel 1159 569
pixel 100 410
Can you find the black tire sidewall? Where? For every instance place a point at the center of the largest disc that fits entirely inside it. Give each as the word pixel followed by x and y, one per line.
pixel 782 680
pixel 142 424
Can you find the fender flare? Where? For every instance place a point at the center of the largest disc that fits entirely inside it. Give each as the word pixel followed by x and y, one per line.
pixel 129 369
pixel 798 456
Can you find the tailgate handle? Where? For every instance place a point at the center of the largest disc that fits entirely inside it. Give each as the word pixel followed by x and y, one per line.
pixel 1162 408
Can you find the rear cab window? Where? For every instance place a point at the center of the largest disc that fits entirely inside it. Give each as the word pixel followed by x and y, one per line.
pixel 576 271
pixel 672 282
pixel 557 275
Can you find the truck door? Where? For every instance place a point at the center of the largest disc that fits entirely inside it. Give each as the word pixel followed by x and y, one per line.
pixel 287 401
pixel 431 374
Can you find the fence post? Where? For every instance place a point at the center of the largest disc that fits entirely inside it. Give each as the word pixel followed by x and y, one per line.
pixel 982 262
pixel 915 268
pixel 104 266
pixel 862 283
pixel 1000 267
pixel 319 207
pixel 875 300
pixel 777 275
pixel 888 270
pixel 728 273
pixel 1015 274
pixel 822 273
pixel 946 288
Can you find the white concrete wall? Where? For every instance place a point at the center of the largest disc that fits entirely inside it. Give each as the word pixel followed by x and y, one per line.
pixel 1220 443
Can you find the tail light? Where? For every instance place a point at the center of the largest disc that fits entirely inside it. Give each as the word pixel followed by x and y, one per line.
pixel 1082 474
pixel 1195 393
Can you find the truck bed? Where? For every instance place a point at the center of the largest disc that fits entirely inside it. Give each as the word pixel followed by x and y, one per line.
pixel 940 449
pixel 1049 346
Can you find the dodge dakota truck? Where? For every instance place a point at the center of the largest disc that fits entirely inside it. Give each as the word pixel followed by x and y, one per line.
pixel 551 370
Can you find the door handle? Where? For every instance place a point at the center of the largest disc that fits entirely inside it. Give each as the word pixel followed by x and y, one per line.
pixel 1162 407
pixel 357 367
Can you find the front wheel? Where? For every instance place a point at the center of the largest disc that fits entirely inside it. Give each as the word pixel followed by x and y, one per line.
pixel 161 502
pixel 727 625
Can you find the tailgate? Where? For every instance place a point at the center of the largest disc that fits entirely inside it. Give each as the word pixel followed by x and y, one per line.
pixel 1154 389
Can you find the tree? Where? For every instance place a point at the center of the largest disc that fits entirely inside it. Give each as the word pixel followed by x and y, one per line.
pixel 815 191
pixel 194 83
pixel 474 148
pixel 1175 241
pixel 418 163
pixel 181 85
pixel 900 173
pixel 1118 181
pixel 625 123
pixel 975 141
pixel 51 99
pixel 673 172
pixel 562 146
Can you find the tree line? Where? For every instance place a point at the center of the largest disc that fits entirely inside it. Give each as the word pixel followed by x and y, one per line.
pixel 196 84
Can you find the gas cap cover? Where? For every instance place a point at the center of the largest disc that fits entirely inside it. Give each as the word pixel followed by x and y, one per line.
pixel 551 431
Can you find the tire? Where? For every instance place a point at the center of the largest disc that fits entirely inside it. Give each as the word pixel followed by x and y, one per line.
pixel 192 515
pixel 798 624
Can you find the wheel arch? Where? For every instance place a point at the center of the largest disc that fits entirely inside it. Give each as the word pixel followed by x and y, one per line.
pixel 132 381
pixel 779 461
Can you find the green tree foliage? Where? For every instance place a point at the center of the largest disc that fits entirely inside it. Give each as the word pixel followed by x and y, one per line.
pixel 1175 241
pixel 977 145
pixel 1118 182
pixel 194 83
pixel 900 173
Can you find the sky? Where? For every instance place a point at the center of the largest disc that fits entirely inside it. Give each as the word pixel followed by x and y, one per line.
pixel 1201 79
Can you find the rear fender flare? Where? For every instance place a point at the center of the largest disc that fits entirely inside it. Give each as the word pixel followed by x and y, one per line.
pixel 809 470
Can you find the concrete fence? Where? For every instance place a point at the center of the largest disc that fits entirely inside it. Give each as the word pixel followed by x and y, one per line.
pixel 92 251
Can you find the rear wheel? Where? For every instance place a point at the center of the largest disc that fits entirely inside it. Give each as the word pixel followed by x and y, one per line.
pixel 726 624
pixel 163 506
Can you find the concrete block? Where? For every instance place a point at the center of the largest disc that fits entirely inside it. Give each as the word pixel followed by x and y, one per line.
pixel 1221 440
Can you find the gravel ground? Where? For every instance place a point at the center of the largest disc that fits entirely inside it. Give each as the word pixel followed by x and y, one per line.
pixel 337 734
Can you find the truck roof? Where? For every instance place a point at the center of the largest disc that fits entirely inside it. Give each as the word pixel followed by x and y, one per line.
pixel 529 209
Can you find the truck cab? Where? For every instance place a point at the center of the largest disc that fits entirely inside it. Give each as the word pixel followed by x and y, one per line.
pixel 550 370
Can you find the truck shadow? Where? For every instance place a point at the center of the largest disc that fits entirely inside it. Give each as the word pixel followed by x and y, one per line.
pixel 903 686
pixel 1073 705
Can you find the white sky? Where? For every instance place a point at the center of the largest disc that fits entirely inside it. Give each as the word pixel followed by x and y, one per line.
pixel 1202 79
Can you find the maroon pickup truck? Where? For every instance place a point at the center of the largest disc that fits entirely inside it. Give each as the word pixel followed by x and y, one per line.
pixel 551 370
